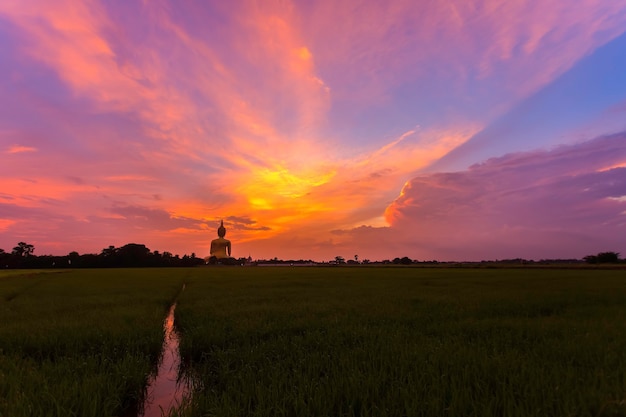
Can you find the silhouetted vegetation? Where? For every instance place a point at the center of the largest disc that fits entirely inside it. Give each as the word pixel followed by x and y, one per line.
pixel 23 250
pixel 135 255
pixel 131 255
pixel 603 258
pixel 403 261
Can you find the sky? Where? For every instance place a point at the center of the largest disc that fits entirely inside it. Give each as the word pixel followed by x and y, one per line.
pixel 438 130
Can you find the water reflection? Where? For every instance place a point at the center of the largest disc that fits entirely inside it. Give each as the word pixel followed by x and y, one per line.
pixel 165 391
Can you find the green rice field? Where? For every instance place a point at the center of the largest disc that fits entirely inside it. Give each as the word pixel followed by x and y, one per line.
pixel 318 341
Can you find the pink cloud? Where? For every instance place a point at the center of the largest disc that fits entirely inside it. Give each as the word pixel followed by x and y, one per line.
pixel 543 204
pixel 377 42
pixel 20 149
pixel 55 230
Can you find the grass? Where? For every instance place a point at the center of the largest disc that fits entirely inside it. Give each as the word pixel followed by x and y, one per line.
pixel 79 343
pixel 319 341
pixel 406 342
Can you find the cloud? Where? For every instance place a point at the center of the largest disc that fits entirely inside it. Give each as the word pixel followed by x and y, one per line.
pixel 244 223
pixel 376 42
pixel 20 149
pixel 566 202
pixel 60 231
pixel 584 102
pixel 5 223
pixel 153 219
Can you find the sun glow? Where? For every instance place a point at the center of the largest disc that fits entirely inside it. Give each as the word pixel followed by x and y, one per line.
pixel 304 54
pixel 268 186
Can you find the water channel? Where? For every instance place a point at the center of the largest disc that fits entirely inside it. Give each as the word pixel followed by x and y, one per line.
pixel 166 390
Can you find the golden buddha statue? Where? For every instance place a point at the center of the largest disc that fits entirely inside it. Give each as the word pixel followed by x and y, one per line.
pixel 220 247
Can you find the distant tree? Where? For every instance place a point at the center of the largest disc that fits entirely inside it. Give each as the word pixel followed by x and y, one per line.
pixel 109 256
pixel 109 252
pixel 73 259
pixel 134 254
pixel 402 261
pixel 602 258
pixel 89 260
pixel 591 259
pixel 5 259
pixel 608 257
pixel 340 259
pixel 23 249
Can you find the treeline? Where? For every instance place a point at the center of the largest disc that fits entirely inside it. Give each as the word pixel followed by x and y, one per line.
pixel 128 256
pixel 137 255
pixel 603 258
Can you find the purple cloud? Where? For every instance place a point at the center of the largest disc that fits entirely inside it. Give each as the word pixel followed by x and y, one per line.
pixel 565 202
pixel 154 219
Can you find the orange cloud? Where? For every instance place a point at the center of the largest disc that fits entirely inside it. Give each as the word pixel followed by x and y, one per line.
pixel 20 149
pixel 337 194
pixel 30 193
pixel 134 178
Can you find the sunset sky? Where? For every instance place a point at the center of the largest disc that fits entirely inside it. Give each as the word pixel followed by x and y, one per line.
pixel 439 129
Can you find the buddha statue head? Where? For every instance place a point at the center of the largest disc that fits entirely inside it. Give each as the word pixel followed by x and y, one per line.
pixel 221 231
